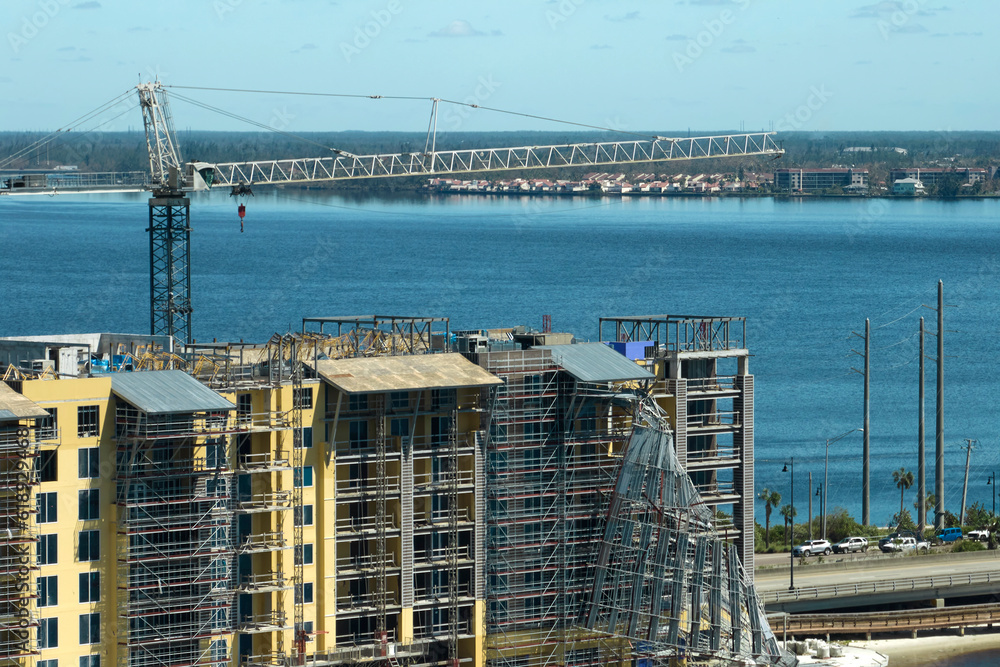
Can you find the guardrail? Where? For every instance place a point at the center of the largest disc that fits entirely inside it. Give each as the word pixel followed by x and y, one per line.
pixel 881 621
pixel 879 587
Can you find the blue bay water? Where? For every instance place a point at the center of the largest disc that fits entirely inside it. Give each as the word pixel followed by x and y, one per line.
pixel 805 274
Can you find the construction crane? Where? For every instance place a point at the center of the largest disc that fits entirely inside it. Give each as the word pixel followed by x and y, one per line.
pixel 171 179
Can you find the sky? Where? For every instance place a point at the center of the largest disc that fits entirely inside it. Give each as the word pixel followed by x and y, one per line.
pixel 719 65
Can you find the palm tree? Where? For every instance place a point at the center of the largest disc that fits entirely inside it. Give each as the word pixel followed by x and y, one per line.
pixel 771 500
pixel 904 480
pixel 789 513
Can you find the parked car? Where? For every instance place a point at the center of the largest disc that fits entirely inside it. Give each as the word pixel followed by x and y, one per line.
pixel 849 544
pixel 981 535
pixel 903 544
pixel 949 535
pixel 813 548
pixel 898 533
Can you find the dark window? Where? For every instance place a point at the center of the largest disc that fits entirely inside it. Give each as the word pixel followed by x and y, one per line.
pixel 303 476
pixel 89 462
pixel 90 545
pixel 359 435
pixel 302 398
pixel 307 436
pixel 442 399
pixel 90 587
pixel 304 593
pixel 47 464
pixel 48 549
pixel 400 400
pixel 90 504
pixel 48 633
pixel 88 661
pixel 90 628
pixel 48 591
pixel 52 662
pixel 304 554
pixel 48 427
pixel 46 505
pixel 356 402
pixel 244 406
pixel 86 420
pixel 305 516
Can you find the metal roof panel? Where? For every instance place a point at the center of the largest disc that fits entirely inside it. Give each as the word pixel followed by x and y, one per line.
pixel 595 362
pixel 166 392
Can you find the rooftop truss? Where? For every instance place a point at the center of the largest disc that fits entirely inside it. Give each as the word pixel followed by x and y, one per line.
pixel 678 333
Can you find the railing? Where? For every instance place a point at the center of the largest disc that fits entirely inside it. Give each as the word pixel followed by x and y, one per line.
pixel 265 502
pixel 365 562
pixel 263 622
pixel 366 601
pixel 362 524
pixel 718 383
pixel 262 542
pixel 908 619
pixel 423 481
pixel 425 519
pixel 714 419
pixel 366 485
pixel 263 461
pixel 882 586
pixel 265 581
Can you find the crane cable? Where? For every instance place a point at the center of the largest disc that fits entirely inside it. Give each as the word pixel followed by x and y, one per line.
pixel 209 107
pixel 52 136
pixel 430 99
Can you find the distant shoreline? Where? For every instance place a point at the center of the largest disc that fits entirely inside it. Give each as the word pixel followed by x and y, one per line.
pixel 700 195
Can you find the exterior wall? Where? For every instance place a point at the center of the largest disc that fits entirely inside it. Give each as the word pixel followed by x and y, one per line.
pixel 67 396
pixel 930 177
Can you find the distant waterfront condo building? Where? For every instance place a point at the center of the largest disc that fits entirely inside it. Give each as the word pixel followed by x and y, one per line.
pixel 933 176
pixel 389 492
pixel 814 180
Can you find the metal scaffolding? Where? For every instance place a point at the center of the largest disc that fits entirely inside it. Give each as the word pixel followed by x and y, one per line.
pixel 551 458
pixel 175 551
pixel 18 563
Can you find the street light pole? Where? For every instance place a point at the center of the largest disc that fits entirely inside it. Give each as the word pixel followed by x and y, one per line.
pixel 826 471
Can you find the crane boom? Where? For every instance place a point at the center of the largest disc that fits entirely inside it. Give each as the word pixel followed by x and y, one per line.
pixel 171 179
pixel 343 167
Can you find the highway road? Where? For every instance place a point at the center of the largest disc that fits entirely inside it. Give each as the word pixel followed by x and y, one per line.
pixel 873 581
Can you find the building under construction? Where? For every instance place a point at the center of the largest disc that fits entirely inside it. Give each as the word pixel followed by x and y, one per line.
pixel 382 490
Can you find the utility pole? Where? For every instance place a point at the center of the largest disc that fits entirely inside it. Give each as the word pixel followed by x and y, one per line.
pixel 969 445
pixel 939 443
pixel 810 494
pixel 866 434
pixel 921 454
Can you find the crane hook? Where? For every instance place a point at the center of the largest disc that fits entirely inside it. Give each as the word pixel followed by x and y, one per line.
pixel 241 211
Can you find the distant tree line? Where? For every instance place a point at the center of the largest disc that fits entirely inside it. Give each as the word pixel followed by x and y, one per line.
pixel 126 151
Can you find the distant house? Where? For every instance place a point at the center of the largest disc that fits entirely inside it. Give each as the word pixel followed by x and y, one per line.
pixel 907 186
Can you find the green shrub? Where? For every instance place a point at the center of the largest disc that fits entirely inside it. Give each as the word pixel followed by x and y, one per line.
pixel 967 545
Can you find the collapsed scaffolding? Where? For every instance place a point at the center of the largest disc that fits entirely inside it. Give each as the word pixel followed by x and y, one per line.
pixel 665 579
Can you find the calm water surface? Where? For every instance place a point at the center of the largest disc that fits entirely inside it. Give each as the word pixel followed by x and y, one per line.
pixel 805 274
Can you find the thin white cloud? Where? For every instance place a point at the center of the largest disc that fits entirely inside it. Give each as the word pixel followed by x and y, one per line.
pixel 460 28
